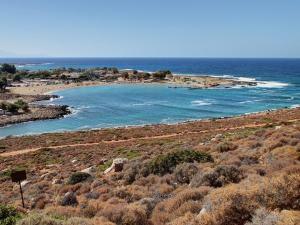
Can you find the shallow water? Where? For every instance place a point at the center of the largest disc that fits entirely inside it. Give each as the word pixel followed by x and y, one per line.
pixel 123 105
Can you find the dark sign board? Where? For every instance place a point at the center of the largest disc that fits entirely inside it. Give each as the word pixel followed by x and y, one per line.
pixel 17 176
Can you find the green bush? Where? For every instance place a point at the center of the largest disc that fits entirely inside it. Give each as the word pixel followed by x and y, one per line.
pixel 13 108
pixel 78 177
pixel 22 105
pixel 164 164
pixel 8 215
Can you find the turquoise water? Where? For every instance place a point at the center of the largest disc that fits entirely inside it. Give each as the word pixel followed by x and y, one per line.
pixel 125 105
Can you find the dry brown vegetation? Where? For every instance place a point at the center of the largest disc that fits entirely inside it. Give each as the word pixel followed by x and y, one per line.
pixel 254 177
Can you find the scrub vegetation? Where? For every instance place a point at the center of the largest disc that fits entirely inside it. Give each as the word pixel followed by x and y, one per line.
pixel 228 174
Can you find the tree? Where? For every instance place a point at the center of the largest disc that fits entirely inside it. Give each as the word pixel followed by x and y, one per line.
pixel 7 68
pixel 22 105
pixel 125 75
pixel 3 84
pixel 161 74
pixel 13 108
pixel 3 105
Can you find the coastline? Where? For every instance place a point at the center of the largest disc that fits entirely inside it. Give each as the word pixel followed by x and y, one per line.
pixel 190 123
pixel 253 120
pixel 184 81
pixel 42 91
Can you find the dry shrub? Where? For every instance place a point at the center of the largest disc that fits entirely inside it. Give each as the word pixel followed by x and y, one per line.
pixel 78 221
pixel 277 144
pixel 186 219
pixel 184 172
pixel 235 204
pixel 265 217
pixel 226 147
pixel 40 219
pixel 165 188
pixel 188 200
pixel 39 202
pixel 289 217
pixel 125 214
pixel 62 212
pixel 219 177
pixel 85 188
pixel 130 193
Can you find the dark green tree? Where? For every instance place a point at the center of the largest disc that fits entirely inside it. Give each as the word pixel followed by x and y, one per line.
pixel 8 68
pixel 3 84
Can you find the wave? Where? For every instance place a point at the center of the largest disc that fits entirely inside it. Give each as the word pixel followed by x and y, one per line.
pixel 200 103
pixel 148 103
pixel 21 65
pixel 262 84
pixel 295 106
pixel 251 101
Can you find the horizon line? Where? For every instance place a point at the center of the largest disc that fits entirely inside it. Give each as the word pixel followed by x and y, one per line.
pixel 139 57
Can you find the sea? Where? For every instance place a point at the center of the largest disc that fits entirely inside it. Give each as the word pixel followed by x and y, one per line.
pixel 122 105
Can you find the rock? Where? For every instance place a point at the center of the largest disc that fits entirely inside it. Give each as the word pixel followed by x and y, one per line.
pixel 24 183
pixel 57 181
pixel 89 170
pixel 202 212
pixel 117 164
pixel 69 199
pixel 74 161
pixel 119 167
pixel 277 127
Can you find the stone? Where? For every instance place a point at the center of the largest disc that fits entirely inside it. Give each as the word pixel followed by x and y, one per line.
pixel 57 181
pixel 117 165
pixel 69 199
pixel 24 183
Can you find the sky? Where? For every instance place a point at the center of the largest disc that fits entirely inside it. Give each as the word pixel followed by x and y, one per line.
pixel 150 28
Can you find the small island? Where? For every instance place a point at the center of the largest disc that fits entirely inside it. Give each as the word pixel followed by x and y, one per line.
pixel 20 90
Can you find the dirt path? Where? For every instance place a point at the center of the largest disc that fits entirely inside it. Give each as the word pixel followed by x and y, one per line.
pixel 24 151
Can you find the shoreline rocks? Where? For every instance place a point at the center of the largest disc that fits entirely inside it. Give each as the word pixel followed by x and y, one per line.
pixel 37 112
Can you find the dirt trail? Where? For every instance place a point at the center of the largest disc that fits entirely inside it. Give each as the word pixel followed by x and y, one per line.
pixel 24 151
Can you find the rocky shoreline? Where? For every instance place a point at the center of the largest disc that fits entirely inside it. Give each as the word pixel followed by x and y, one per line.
pixel 35 112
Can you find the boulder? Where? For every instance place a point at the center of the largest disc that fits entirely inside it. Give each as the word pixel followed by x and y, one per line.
pixel 117 165
pixel 69 199
pixel 57 181
pixel 24 183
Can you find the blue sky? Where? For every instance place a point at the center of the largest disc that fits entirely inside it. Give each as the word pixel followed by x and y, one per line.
pixel 150 28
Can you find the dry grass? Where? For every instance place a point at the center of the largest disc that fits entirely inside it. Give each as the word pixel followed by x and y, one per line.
pixel 254 179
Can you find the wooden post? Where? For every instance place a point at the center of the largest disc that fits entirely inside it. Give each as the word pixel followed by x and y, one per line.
pixel 21 194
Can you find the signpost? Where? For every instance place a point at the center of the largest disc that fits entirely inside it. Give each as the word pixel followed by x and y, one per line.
pixel 18 176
